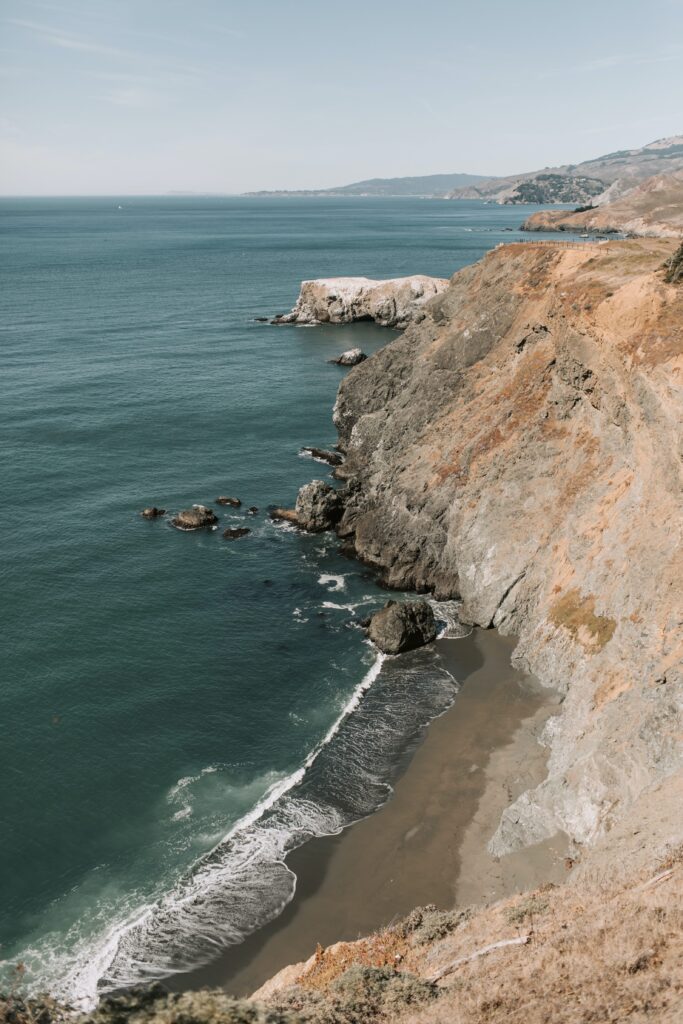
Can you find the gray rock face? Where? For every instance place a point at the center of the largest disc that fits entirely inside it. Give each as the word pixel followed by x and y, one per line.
pixel 351 357
pixel 196 518
pixel 341 300
pixel 520 449
pixel 402 626
pixel 318 507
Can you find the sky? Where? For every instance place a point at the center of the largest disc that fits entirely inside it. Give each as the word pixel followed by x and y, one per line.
pixel 120 97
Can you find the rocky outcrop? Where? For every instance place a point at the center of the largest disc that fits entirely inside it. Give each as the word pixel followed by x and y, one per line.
pixel 318 507
pixel 323 455
pixel 153 512
pixel 352 357
pixel 653 209
pixel 232 502
pixel 520 449
pixel 196 518
pixel 342 300
pixel 400 627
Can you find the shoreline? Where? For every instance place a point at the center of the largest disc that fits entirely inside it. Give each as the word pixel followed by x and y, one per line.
pixel 427 844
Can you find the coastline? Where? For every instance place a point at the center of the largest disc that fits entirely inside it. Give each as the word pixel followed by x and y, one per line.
pixel 427 844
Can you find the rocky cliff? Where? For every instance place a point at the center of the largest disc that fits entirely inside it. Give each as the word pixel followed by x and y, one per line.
pixel 652 209
pixel 521 448
pixel 341 300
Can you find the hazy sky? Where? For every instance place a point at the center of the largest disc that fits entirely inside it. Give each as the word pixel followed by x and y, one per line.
pixel 149 96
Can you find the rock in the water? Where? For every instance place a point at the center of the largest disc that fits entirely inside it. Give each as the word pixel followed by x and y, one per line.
pixel 318 506
pixel 196 518
pixel 233 532
pixel 341 300
pixel 351 357
pixel 323 455
pixel 234 502
pixel 402 626
pixel 286 515
pixel 153 512
pixel 252 510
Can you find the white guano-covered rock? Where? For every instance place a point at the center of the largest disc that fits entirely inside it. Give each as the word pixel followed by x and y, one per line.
pixel 342 300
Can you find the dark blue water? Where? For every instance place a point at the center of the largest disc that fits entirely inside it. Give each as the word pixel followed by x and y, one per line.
pixel 175 707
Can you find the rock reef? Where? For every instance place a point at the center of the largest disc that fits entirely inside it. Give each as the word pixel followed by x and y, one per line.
pixel 342 300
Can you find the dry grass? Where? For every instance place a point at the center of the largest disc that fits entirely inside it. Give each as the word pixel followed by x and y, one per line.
pixel 595 956
pixel 577 615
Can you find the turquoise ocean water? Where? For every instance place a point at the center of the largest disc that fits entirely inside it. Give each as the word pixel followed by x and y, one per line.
pixel 178 711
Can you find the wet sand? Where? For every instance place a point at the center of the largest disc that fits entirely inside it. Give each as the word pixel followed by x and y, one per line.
pixel 428 843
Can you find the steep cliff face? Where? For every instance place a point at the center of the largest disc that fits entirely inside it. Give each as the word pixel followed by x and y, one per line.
pixel 521 448
pixel 341 300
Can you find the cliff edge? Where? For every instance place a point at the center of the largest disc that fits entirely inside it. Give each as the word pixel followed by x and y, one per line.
pixel 520 448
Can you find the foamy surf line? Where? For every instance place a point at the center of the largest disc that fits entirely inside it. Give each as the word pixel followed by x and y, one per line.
pixel 96 970
pixel 244 881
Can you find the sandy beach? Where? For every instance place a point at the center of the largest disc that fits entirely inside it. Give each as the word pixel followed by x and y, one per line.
pixel 428 843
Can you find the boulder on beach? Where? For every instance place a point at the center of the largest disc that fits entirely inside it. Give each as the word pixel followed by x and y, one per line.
pixel 233 532
pixel 402 626
pixel 234 502
pixel 196 518
pixel 351 357
pixel 323 455
pixel 153 512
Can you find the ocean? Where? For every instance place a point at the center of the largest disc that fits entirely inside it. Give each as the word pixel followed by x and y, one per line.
pixel 179 711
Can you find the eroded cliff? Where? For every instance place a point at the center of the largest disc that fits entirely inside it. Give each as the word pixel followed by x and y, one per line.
pixel 342 300
pixel 521 448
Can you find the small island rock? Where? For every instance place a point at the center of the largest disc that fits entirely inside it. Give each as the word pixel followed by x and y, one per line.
pixel 153 512
pixel 252 510
pixel 402 626
pixel 234 502
pixel 196 518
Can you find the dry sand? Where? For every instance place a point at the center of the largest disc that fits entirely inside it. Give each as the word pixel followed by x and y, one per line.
pixel 428 843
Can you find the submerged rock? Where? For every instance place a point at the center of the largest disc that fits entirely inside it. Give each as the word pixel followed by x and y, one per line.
pixel 233 532
pixel 402 626
pixel 153 512
pixel 323 455
pixel 252 510
pixel 196 518
pixel 351 357
pixel 234 502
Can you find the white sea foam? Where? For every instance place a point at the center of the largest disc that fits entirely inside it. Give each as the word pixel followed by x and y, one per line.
pixel 332 582
pixel 447 615
pixel 80 981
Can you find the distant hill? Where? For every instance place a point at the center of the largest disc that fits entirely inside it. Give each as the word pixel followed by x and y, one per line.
pixel 429 185
pixel 600 180
pixel 654 207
